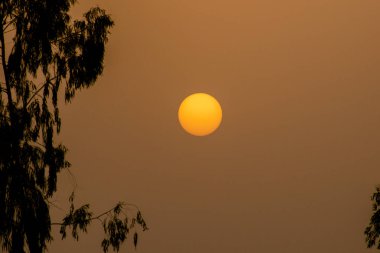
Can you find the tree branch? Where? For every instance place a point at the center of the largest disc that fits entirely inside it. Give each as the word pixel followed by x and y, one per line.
pixel 95 217
pixel 6 74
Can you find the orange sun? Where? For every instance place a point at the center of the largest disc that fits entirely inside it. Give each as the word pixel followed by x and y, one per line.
pixel 200 114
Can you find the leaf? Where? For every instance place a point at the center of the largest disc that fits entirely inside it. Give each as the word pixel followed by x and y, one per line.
pixel 135 239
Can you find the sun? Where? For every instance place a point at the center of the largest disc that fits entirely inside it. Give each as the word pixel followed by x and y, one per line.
pixel 200 114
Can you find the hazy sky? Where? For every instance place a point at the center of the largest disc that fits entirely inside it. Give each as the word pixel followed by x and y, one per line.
pixel 293 165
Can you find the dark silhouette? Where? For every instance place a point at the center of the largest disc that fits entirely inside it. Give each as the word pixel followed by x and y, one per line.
pixel 41 49
pixel 372 232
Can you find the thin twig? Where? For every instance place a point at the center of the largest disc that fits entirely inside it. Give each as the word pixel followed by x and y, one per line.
pixel 90 219
pixel 39 89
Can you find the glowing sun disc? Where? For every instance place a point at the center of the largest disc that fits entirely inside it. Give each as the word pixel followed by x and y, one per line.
pixel 200 114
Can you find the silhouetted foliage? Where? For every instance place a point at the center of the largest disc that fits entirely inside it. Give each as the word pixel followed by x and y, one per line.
pixel 115 221
pixel 42 48
pixel 372 232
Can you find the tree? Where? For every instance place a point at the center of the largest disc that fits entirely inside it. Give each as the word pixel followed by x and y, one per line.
pixel 372 232
pixel 42 49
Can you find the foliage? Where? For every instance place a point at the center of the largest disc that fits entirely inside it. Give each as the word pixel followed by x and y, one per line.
pixel 372 231
pixel 42 51
pixel 115 223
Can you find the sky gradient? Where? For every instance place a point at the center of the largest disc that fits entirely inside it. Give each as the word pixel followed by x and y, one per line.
pixel 296 158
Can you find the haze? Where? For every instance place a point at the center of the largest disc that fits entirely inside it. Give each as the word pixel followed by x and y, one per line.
pixel 296 159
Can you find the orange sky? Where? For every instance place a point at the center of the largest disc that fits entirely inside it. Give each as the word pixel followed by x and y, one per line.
pixel 293 165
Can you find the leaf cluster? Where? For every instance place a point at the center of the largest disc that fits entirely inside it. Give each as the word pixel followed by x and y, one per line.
pixel 116 228
pixel 372 231
pixel 117 224
pixel 76 219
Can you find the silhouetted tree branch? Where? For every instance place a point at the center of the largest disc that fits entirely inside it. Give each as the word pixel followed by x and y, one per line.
pixel 115 221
